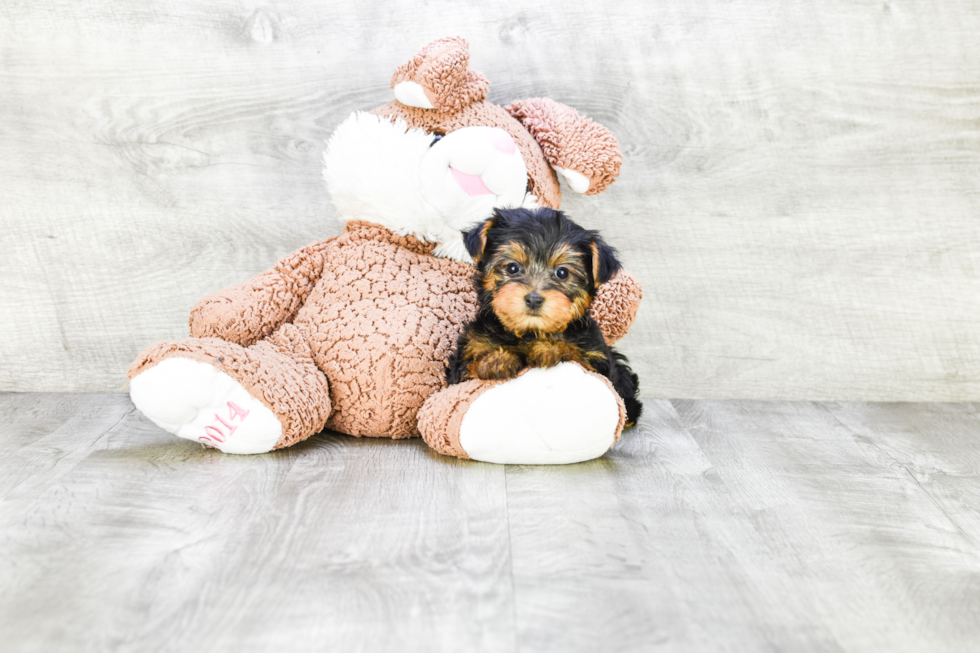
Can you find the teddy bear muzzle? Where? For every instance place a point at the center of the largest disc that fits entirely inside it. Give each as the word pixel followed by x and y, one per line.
pixel 470 165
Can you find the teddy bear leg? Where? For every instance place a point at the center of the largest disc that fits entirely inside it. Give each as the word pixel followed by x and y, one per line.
pixel 236 399
pixel 558 415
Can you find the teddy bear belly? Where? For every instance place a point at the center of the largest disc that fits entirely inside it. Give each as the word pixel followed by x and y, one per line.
pixel 384 353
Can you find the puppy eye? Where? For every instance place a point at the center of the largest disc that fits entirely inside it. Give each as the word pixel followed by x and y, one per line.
pixel 435 139
pixel 561 273
pixel 512 268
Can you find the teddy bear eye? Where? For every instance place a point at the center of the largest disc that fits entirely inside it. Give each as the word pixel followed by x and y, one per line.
pixel 513 268
pixel 561 273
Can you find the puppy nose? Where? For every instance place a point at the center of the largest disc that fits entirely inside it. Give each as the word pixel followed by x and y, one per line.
pixel 533 300
pixel 503 142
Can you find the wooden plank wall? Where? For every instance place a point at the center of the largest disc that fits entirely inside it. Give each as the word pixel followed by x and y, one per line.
pixel 799 193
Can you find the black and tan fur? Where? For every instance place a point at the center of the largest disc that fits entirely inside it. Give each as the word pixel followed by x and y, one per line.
pixel 537 272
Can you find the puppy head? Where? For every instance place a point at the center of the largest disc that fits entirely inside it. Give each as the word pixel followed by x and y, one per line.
pixel 537 269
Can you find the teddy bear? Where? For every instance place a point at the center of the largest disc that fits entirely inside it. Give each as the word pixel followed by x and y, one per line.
pixel 353 333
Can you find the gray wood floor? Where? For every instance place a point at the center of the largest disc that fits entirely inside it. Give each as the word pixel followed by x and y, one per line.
pixel 713 526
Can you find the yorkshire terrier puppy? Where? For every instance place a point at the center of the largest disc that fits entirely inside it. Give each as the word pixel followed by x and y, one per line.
pixel 537 272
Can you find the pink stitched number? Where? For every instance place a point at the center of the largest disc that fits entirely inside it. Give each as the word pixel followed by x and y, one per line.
pixel 215 432
pixel 234 410
pixel 231 429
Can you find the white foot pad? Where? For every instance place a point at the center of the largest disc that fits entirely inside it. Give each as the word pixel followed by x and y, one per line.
pixel 545 417
pixel 195 401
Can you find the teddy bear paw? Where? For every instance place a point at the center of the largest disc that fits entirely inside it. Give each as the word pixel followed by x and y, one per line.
pixel 545 416
pixel 193 400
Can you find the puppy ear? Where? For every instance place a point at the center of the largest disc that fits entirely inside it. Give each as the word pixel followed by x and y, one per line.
pixel 604 261
pixel 476 239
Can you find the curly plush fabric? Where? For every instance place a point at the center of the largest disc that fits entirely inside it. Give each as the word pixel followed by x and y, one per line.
pixel 615 305
pixel 570 140
pixel 383 320
pixel 543 180
pixel 442 415
pixel 442 70
pixel 246 312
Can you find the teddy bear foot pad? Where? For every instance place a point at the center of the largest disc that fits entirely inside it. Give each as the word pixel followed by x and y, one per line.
pixel 544 417
pixel 195 401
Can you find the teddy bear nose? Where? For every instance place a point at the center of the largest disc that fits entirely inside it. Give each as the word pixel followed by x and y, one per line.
pixel 502 141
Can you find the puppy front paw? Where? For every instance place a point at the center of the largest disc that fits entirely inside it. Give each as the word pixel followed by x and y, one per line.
pixel 499 364
pixel 548 353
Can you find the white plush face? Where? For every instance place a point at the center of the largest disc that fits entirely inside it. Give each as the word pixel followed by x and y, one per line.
pixel 409 181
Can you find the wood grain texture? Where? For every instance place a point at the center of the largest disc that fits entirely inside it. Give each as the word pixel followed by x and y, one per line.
pixel 877 560
pixel 646 549
pixel 798 193
pixel 712 526
pixel 149 543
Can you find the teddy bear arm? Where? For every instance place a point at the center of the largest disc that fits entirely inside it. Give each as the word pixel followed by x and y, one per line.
pixel 250 311
pixel 615 305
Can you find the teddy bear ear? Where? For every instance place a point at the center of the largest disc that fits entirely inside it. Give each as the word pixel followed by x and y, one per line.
pixel 438 77
pixel 584 152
